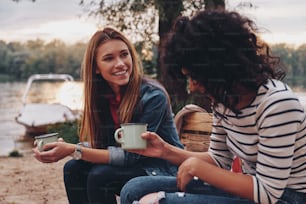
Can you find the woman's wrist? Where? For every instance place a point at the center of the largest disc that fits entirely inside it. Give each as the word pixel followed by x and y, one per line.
pixel 171 154
pixel 166 151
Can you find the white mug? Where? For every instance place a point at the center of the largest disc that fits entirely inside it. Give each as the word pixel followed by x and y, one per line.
pixel 41 140
pixel 129 135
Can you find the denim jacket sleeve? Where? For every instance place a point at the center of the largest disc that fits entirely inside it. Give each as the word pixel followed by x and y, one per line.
pixel 153 109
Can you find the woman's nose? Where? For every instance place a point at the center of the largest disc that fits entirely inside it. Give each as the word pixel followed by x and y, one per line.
pixel 119 63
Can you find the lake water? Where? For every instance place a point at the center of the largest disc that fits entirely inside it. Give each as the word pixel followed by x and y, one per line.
pixel 12 134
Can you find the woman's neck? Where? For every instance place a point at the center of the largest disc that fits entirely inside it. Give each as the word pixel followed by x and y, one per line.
pixel 118 97
pixel 245 100
pixel 117 92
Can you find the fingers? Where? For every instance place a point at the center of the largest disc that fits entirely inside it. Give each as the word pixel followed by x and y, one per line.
pixel 150 135
pixel 49 146
pixel 179 179
pixel 146 135
pixel 45 156
pixel 178 183
pixel 35 150
pixel 182 183
pixel 183 175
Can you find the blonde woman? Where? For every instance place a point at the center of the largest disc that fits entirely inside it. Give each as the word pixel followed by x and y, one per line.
pixel 116 91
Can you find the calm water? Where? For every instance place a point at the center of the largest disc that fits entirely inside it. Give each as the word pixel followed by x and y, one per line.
pixel 12 134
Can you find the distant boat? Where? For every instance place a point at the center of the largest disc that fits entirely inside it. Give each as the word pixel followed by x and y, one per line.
pixel 37 117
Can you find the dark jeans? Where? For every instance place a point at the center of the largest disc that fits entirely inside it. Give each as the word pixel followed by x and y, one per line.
pixel 86 182
pixel 196 192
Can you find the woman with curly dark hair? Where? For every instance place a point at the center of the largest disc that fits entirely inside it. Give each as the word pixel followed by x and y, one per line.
pixel 256 117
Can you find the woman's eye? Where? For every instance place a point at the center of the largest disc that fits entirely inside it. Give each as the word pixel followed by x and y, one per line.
pixel 124 54
pixel 107 59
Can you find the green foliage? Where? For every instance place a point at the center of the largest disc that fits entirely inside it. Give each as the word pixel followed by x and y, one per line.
pixel 145 21
pixel 15 153
pixel 294 61
pixel 68 131
pixel 6 78
pixel 20 60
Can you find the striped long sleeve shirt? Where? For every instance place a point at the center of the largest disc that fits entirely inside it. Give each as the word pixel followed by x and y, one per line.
pixel 269 136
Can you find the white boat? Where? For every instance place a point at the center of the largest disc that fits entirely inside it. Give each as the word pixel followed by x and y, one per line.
pixel 38 116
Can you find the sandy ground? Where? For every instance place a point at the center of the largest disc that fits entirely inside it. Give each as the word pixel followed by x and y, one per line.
pixel 24 180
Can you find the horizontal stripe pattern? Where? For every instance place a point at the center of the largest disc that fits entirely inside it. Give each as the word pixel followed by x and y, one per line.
pixel 269 136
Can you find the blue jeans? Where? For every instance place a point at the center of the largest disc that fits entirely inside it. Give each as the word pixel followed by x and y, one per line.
pixel 196 192
pixel 86 182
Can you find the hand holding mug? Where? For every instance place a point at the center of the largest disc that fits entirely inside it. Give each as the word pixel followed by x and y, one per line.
pixel 129 136
pixel 156 146
pixel 41 140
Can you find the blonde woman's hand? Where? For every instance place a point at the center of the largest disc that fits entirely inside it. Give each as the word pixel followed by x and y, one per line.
pixel 54 151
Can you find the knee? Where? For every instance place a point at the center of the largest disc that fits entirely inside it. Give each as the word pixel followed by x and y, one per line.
pixel 70 166
pixel 132 190
pixel 127 191
pixel 101 174
pixel 73 169
pixel 138 187
pixel 101 171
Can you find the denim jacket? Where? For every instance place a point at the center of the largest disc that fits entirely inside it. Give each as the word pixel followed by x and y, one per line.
pixel 154 109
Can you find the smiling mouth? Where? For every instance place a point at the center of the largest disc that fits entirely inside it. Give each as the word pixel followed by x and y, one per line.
pixel 120 73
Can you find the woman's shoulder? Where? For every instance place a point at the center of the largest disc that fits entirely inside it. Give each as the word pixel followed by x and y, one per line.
pixel 153 90
pixel 275 87
pixel 149 84
pixel 277 92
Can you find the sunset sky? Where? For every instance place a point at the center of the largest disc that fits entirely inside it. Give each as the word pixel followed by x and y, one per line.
pixel 281 20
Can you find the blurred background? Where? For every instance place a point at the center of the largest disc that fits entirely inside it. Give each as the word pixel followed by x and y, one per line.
pixel 50 36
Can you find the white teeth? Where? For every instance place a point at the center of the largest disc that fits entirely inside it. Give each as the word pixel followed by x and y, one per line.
pixel 120 73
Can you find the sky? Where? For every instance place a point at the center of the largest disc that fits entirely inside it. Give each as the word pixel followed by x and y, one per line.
pixel 45 19
pixel 282 21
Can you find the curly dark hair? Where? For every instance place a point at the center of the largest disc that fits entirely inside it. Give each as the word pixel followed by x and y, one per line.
pixel 220 50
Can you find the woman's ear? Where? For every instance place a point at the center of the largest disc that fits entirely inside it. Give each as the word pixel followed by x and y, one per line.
pixel 97 71
pixel 195 86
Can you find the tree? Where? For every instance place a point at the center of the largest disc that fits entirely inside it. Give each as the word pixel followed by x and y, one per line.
pixel 300 56
pixel 145 20
pixel 148 22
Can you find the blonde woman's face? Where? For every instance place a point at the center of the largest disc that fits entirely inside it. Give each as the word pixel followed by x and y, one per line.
pixel 114 62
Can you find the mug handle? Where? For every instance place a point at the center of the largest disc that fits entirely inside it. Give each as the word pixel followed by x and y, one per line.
pixel 40 145
pixel 116 135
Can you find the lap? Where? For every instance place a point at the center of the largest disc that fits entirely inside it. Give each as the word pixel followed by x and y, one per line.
pixel 182 198
pixel 196 191
pixel 137 187
pixel 101 171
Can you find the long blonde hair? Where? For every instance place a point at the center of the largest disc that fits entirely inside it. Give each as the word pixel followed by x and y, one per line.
pixel 91 121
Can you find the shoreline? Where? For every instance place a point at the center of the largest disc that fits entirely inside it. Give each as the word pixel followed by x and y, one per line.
pixel 26 180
